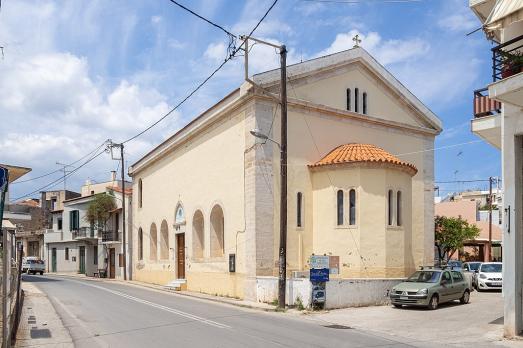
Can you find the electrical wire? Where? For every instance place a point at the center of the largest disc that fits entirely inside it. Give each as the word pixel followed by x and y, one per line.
pixel 60 180
pixel 59 170
pixel 227 59
pixel 204 19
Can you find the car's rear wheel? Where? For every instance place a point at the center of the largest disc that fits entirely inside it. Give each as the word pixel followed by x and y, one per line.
pixel 397 305
pixel 465 298
pixel 434 302
pixel 41 273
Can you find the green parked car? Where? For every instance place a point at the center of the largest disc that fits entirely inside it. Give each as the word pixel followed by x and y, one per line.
pixel 430 287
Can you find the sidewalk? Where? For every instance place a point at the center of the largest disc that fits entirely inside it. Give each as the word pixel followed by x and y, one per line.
pixel 40 325
pixel 226 300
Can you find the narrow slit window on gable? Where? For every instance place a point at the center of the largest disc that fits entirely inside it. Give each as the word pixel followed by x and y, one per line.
pixel 356 97
pixel 348 99
pixel 364 97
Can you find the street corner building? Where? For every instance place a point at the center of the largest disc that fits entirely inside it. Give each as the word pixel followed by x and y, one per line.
pixel 360 183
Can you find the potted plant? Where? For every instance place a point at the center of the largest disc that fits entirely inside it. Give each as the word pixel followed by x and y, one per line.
pixel 512 63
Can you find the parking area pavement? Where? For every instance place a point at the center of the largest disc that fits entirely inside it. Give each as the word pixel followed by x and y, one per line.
pixel 479 323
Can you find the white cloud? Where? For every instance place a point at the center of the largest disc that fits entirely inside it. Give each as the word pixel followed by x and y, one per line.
pixel 156 19
pixel 216 51
pixel 62 111
pixel 385 51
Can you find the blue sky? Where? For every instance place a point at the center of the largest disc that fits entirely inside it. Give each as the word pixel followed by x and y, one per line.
pixel 75 73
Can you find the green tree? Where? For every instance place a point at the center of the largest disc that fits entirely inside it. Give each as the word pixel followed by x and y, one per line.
pixel 99 210
pixel 451 233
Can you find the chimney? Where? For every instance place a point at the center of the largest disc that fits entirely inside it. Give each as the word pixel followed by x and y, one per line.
pixel 113 176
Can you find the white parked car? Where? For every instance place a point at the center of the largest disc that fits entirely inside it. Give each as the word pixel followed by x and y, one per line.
pixel 490 276
pixel 33 265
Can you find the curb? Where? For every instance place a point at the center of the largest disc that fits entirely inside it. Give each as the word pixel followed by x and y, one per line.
pixel 172 291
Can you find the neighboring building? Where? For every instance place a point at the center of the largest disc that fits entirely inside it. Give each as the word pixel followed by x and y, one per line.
pixel 74 246
pixel 207 199
pixel 497 119
pixel 468 210
pixel 480 196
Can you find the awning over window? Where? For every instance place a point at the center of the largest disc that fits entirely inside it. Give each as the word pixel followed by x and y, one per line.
pixel 504 13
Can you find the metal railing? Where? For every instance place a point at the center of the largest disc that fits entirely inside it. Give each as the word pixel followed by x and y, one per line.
pixel 507 59
pixel 110 236
pixel 483 105
pixel 85 232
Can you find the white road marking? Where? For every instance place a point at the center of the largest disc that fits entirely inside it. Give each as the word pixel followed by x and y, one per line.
pixel 158 306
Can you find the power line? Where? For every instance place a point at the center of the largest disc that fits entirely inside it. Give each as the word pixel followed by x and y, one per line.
pixel 460 181
pixel 231 56
pixel 58 181
pixel 59 170
pixel 203 18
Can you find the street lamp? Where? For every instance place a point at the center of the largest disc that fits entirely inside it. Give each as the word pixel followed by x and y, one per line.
pixel 258 134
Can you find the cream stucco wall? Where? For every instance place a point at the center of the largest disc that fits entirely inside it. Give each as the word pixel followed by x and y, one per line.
pixel 206 170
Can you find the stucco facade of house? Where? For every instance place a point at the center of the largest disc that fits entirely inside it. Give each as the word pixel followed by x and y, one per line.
pixel 72 245
pixel 360 182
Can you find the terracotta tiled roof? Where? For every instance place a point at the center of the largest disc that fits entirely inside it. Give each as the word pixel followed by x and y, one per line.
pixel 362 153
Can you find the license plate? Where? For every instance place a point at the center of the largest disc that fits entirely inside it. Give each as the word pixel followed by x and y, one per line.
pixel 496 283
pixel 404 297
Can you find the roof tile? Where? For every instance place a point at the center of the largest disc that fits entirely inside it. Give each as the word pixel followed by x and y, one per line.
pixel 362 153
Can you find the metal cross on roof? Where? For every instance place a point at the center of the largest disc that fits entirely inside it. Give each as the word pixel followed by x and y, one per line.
pixel 356 40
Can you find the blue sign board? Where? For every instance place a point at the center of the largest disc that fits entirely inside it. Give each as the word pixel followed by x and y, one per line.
pixel 3 178
pixel 319 275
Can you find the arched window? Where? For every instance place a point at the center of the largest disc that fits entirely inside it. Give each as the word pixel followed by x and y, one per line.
pixel 164 241
pixel 398 209
pixel 153 246
pixel 197 235
pixel 140 193
pixel 339 210
pixel 299 209
pixel 364 102
pixel 348 99
pixel 217 231
pixel 352 207
pixel 140 244
pixel 356 99
pixel 390 203
pixel 179 215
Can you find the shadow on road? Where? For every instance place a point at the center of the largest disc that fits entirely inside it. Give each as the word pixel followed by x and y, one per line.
pixel 38 279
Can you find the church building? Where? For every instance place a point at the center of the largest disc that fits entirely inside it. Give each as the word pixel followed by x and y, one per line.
pixel 360 182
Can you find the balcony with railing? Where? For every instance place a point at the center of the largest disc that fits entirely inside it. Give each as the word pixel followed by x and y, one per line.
pixel 110 236
pixel 487 120
pixel 507 72
pixel 86 233
pixel 483 105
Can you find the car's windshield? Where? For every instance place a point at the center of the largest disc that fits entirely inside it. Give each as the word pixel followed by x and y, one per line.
pixel 473 266
pixel 424 277
pixel 454 264
pixel 491 267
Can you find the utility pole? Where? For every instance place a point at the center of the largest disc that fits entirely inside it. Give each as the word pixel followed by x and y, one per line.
pixel 124 227
pixel 490 179
pixel 282 251
pixel 283 172
pixel 64 168
pixel 4 183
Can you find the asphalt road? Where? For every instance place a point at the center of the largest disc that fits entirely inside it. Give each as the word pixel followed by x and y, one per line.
pixel 105 314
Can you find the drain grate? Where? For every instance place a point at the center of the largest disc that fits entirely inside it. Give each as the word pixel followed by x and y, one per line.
pixel 339 327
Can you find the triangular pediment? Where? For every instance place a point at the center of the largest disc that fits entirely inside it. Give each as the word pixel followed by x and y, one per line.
pixel 325 81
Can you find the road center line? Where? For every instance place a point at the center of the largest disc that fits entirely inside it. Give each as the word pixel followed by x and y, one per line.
pixel 158 306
